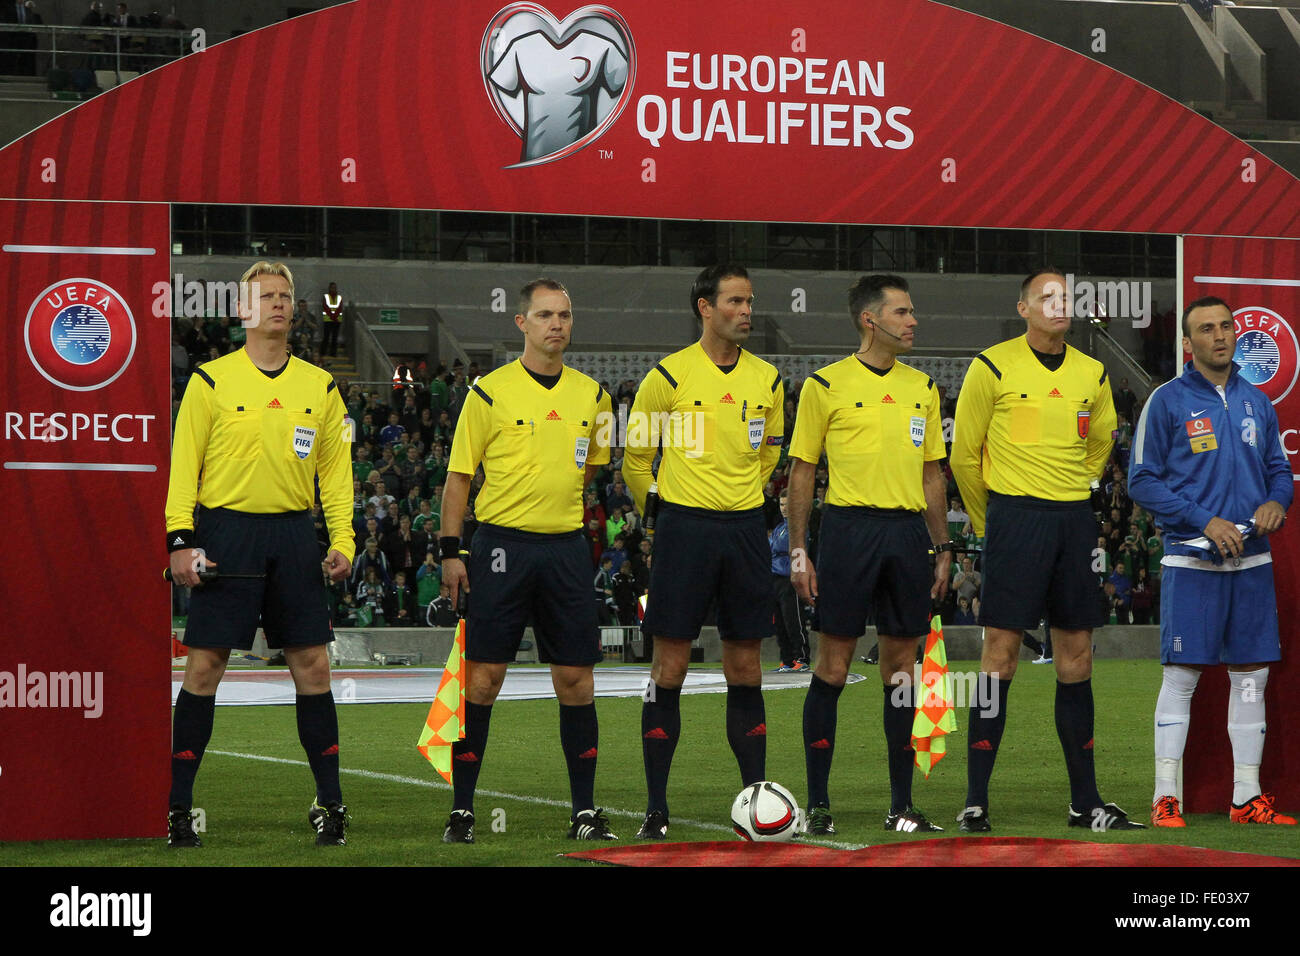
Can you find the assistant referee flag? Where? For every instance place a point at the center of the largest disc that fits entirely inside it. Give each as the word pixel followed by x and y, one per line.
pixel 446 721
pixel 934 716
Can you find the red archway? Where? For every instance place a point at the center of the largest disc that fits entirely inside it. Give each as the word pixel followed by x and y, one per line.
pixel 881 111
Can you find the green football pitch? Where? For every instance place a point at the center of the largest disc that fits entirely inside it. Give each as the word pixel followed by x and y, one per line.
pixel 255 786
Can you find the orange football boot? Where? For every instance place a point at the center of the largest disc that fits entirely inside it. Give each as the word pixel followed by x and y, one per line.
pixel 1259 810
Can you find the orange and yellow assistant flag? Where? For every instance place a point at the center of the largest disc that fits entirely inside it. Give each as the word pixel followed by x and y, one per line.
pixel 446 721
pixel 934 711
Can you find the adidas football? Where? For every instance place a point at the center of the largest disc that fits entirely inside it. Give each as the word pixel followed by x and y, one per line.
pixel 765 812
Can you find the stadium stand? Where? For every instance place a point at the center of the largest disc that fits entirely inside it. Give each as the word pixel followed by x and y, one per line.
pixel 1235 64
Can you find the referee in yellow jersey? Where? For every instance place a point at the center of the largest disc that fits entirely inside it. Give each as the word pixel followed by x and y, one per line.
pixel 718 412
pixel 878 421
pixel 257 429
pixel 1034 427
pixel 540 430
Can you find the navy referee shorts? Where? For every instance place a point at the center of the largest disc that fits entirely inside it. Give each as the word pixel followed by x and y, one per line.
pixel 1038 563
pixel 521 577
pixel 873 564
pixel 290 603
pixel 702 557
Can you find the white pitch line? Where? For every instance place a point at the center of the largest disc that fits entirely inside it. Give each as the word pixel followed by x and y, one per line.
pixel 521 798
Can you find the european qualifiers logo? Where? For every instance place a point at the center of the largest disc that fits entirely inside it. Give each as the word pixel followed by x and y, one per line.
pixel 1266 351
pixel 558 84
pixel 80 334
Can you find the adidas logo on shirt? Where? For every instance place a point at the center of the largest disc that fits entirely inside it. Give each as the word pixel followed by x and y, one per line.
pixel 727 400
pixel 1054 393
pixel 554 416
pixel 274 403
pixel 887 400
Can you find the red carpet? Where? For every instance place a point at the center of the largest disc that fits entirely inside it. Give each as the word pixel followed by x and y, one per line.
pixel 952 851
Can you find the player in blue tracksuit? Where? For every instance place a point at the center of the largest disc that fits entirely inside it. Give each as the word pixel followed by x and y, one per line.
pixel 790 635
pixel 1208 460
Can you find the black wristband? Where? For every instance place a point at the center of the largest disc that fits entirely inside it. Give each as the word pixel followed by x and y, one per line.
pixel 176 540
pixel 946 546
pixel 449 547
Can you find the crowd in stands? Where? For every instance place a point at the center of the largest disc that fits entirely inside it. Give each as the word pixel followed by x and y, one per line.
pixel 112 39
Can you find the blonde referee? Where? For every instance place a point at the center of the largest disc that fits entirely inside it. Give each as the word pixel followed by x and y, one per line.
pixel 258 428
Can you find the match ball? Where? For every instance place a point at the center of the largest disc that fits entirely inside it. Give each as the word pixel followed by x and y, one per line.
pixel 765 812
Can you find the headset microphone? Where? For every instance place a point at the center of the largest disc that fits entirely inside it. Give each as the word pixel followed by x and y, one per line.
pixel 879 328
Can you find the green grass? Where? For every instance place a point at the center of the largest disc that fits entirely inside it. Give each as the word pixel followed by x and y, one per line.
pixel 256 810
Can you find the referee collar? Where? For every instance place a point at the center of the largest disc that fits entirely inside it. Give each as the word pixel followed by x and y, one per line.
pixel 547 382
pixel 272 374
pixel 881 372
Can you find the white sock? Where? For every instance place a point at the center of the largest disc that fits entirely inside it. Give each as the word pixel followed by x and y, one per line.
pixel 1246 728
pixel 1173 712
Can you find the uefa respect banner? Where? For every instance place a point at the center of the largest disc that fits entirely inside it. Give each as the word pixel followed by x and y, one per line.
pixel 1260 281
pixel 84 374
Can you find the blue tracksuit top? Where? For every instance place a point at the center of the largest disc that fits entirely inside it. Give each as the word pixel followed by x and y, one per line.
pixel 779 539
pixel 1242 464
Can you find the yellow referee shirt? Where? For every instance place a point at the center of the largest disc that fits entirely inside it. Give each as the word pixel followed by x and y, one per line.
pixel 878 432
pixel 251 442
pixel 721 432
pixel 1022 429
pixel 534 444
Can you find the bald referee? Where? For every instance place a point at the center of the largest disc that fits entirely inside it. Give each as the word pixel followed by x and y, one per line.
pixel 1034 428
pixel 878 421
pixel 256 431
pixel 718 411
pixel 539 429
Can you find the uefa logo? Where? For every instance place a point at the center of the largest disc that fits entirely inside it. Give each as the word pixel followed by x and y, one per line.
pixel 558 84
pixel 1266 351
pixel 80 334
